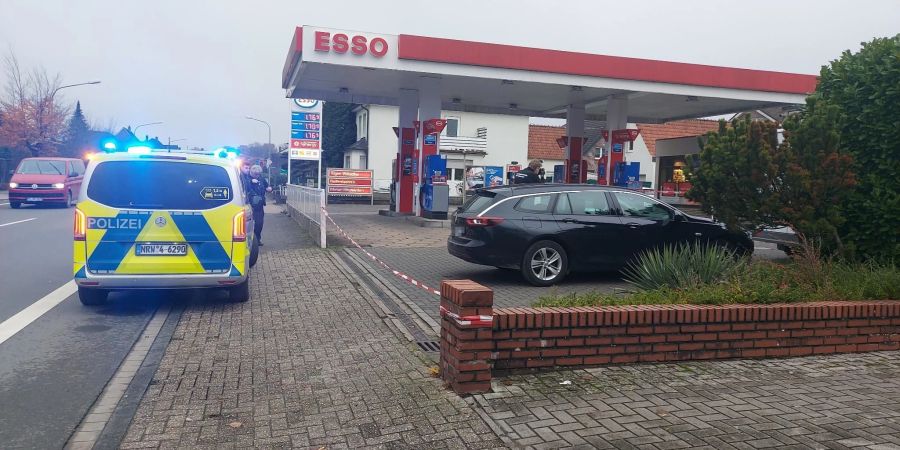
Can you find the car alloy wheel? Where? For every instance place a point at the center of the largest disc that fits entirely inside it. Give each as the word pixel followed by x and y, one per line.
pixel 546 264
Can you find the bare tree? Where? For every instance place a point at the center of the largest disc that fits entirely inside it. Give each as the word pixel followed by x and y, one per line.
pixel 33 119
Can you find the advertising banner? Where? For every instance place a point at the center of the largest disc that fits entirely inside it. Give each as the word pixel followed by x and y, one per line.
pixel 474 177
pixel 493 176
pixel 347 182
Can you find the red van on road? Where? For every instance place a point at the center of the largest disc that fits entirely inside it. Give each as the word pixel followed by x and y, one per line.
pixel 46 180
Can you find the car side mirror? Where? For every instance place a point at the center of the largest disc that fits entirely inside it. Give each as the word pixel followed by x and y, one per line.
pixel 679 218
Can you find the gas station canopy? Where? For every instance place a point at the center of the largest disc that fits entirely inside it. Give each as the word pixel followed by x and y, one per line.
pixel 372 68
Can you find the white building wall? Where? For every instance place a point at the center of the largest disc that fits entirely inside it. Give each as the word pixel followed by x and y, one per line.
pixel 507 140
pixel 641 154
pixel 382 144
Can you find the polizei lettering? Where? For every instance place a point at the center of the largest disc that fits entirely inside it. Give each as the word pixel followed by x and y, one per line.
pixel 114 223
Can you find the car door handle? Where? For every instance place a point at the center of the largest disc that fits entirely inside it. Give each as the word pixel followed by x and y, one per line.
pixel 633 225
pixel 569 220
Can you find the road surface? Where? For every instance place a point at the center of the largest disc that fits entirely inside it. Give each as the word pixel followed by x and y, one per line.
pixel 53 369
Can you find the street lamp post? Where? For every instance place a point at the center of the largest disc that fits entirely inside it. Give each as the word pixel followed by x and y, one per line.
pixel 144 125
pixel 52 94
pixel 52 98
pixel 169 146
pixel 271 152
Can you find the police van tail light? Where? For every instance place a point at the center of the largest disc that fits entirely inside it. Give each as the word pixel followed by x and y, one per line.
pixel 484 221
pixel 239 228
pixel 80 225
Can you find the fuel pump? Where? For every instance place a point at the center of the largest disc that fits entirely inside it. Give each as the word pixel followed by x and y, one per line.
pixel 405 172
pixel 431 130
pixel 614 158
pixel 434 196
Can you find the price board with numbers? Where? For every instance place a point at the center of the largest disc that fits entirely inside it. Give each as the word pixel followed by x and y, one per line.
pixel 306 130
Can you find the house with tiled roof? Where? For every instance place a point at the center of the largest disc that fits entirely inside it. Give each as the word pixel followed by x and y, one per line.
pixel 542 144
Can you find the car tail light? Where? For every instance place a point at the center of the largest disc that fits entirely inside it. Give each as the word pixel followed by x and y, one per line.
pixel 239 228
pixel 484 221
pixel 80 225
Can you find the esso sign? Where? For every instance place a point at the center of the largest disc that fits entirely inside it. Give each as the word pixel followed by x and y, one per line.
pixel 342 43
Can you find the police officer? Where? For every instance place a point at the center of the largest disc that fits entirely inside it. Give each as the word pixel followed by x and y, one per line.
pixel 245 176
pixel 258 187
pixel 530 174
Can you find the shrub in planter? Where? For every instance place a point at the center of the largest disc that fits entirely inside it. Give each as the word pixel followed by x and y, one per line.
pixel 683 267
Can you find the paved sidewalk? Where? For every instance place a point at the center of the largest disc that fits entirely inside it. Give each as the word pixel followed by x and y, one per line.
pixel 370 229
pixel 307 362
pixel 840 401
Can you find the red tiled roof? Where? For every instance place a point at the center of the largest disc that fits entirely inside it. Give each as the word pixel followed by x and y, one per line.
pixel 679 128
pixel 542 138
pixel 542 142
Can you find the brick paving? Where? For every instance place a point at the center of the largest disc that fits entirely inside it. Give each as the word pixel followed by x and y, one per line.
pixel 431 265
pixel 841 401
pixel 372 230
pixel 307 362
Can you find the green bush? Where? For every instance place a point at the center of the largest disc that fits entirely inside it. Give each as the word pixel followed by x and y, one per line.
pixel 682 267
pixel 763 282
pixel 865 87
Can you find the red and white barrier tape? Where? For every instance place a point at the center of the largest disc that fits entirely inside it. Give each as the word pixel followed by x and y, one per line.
pixel 396 272
pixel 472 321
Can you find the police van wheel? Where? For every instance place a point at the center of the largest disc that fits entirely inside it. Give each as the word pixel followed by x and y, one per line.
pixel 15 205
pixel 90 297
pixel 254 253
pixel 240 293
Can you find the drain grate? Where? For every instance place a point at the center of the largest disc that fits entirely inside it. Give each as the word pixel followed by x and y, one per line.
pixel 429 346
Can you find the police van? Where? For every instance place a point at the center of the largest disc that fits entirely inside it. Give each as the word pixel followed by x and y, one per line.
pixel 160 220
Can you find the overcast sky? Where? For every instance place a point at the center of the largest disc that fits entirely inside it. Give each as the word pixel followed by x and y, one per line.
pixel 200 66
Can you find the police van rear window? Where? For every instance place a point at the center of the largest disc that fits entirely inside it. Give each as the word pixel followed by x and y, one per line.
pixel 159 185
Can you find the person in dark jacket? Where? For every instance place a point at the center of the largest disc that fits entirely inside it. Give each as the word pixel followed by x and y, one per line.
pixel 529 174
pixel 256 192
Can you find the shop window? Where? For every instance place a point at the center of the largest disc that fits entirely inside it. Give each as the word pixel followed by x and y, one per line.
pixel 363 161
pixel 348 161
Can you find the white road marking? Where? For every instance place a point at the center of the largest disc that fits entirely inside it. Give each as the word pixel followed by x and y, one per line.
pixel 18 221
pixel 23 318
pixel 1 204
pixel 764 248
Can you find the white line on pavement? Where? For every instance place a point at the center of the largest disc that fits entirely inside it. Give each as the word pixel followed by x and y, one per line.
pixel 18 221
pixel 23 318
pixel 1 204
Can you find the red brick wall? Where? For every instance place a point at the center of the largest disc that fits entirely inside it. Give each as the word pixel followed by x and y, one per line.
pixel 477 339
pixel 466 339
pixel 548 337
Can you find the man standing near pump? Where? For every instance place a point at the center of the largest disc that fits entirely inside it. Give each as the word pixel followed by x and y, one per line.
pixel 530 174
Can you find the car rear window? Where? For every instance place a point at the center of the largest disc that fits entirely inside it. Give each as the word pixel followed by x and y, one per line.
pixel 159 185
pixel 42 167
pixel 478 202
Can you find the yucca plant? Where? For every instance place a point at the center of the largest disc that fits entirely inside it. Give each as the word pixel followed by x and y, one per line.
pixel 682 267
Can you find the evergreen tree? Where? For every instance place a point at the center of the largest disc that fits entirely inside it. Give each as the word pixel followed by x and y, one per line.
pixel 338 133
pixel 77 134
